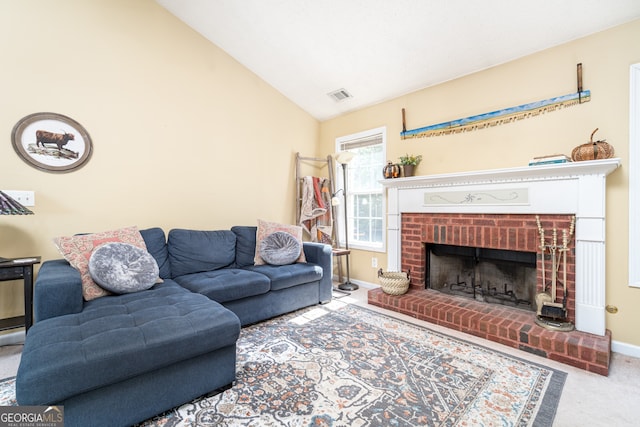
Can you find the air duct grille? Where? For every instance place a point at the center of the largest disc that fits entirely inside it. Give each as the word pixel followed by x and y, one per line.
pixel 340 95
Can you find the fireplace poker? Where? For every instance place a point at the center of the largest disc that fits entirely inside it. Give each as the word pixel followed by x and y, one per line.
pixel 542 251
pixel 565 247
pixel 554 270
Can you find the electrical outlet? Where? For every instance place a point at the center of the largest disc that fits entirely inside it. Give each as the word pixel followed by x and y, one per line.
pixel 374 262
pixel 25 198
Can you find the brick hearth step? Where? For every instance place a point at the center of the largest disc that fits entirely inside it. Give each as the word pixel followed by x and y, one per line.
pixel 502 324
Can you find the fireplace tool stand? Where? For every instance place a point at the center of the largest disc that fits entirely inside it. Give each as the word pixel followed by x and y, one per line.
pixel 551 314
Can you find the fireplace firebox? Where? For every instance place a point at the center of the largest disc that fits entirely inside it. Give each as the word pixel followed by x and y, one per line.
pixel 493 276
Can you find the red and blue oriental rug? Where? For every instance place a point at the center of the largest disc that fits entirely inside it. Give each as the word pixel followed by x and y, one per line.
pixel 343 365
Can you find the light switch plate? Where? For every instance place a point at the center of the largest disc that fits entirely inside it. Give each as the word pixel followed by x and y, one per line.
pixel 25 198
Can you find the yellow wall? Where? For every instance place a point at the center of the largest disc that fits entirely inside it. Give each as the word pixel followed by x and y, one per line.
pixel 183 135
pixel 606 58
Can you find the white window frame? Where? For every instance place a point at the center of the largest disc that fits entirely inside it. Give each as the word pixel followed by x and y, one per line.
pixel 340 142
pixel 634 175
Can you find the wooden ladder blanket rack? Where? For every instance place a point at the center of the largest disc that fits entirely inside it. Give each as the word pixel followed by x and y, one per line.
pixel 319 162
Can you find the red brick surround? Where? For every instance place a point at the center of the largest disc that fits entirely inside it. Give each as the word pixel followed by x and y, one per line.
pixel 513 327
pixel 509 232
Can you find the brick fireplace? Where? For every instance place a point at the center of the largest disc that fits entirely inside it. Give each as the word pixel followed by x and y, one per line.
pixel 504 231
pixel 497 209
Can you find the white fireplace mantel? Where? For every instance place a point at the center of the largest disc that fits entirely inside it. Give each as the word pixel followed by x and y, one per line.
pixel 571 188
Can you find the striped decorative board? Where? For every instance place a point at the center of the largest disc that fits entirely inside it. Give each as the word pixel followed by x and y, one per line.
pixel 499 117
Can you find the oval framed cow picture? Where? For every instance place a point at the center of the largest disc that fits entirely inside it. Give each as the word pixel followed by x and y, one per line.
pixel 51 142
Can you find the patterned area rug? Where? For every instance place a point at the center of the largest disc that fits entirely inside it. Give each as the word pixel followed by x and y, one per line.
pixel 342 365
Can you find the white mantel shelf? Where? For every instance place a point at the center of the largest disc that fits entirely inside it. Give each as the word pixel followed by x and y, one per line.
pixel 519 174
pixel 575 188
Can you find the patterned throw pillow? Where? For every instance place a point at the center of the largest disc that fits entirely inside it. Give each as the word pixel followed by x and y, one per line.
pixel 77 251
pixel 122 268
pixel 266 228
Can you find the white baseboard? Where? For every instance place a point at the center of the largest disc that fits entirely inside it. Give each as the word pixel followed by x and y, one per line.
pixel 12 338
pixel 626 349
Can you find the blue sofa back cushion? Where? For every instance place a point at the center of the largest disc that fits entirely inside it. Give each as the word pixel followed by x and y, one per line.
pixel 245 244
pixel 156 242
pixel 194 251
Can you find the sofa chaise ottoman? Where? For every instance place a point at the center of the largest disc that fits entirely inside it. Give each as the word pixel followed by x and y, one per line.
pixel 120 363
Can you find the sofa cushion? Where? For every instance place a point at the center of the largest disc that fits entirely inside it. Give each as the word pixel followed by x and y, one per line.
pixel 287 276
pixel 77 250
pixel 122 268
pixel 227 284
pixel 245 244
pixel 120 337
pixel 156 242
pixel 194 251
pixel 280 248
pixel 266 228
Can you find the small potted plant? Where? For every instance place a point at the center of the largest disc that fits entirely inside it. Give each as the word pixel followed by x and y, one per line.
pixel 409 163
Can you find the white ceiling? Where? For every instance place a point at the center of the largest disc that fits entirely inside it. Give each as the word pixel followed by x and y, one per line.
pixel 380 49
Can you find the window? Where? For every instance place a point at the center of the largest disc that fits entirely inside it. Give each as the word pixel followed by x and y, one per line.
pixel 365 195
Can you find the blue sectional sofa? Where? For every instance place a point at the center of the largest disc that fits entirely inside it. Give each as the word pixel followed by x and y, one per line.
pixel 120 359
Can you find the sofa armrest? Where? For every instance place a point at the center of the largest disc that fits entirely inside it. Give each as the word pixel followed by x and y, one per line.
pixel 57 290
pixel 320 253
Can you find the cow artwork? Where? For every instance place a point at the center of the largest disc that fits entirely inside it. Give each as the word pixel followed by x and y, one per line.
pixel 51 142
pixel 59 139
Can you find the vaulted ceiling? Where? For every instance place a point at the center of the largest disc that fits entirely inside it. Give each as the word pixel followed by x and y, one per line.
pixel 377 50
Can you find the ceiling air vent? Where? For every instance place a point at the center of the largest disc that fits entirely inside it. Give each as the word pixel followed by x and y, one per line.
pixel 340 95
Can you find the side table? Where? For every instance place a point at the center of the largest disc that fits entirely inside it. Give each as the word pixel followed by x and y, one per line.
pixel 345 286
pixel 19 268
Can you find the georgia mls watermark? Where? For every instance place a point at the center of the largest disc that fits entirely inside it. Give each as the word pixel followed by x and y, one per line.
pixel 31 416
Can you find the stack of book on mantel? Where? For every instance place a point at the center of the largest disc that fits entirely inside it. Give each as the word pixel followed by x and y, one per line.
pixel 549 160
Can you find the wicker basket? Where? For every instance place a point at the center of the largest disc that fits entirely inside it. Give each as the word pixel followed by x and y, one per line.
pixel 394 283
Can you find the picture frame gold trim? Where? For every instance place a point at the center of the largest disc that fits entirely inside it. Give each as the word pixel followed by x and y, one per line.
pixel 51 142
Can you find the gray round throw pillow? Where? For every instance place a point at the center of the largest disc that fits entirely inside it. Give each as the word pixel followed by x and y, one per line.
pixel 122 268
pixel 280 248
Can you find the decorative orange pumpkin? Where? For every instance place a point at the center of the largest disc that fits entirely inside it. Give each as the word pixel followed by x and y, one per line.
pixel 592 150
